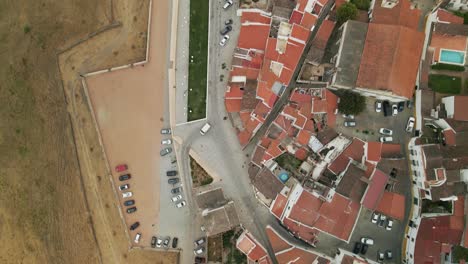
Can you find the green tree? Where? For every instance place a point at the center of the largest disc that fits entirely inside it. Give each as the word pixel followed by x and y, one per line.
pixel 361 4
pixel 345 12
pixel 351 103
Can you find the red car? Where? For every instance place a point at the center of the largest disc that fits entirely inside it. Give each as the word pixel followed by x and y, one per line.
pixel 121 167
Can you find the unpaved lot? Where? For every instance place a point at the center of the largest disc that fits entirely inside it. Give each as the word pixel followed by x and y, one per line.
pixel 51 211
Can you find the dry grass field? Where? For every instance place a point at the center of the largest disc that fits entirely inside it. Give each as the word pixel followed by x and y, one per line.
pixel 56 200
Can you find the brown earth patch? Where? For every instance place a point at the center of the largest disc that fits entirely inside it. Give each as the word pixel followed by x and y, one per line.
pixel 199 176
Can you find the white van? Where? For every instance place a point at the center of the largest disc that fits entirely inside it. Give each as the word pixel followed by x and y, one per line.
pixel 205 129
pixel 137 238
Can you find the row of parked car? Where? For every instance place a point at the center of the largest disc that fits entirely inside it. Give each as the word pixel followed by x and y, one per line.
pixel 199 246
pixel 160 242
pixel 393 109
pixel 362 246
pixel 124 188
pixel 382 221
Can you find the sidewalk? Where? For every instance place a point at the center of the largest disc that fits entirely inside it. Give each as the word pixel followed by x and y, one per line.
pixel 181 63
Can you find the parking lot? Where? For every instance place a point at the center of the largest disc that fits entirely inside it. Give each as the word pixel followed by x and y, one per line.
pixel 369 122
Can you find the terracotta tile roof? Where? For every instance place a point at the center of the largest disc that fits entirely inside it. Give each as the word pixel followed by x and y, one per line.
pixel 446 16
pixel 254 17
pixel 300 33
pixel 355 150
pixel 374 150
pixel 391 150
pixel 392 205
pixel 245 116
pixel 352 185
pixel 233 105
pixel 370 169
pixel 461 108
pixel 303 137
pixel 253 36
pixel 296 255
pixel 443 41
pixel 250 246
pixel 244 244
pixel 278 205
pixel 339 164
pixel 267 183
pixel 262 110
pixel 323 34
pixel 275 149
pixel 302 231
pixel 339 3
pixel 298 97
pixel 375 190
pixel 401 14
pixel 296 17
pixel 258 155
pixel 276 241
pixel 301 154
pixel 449 136
pixel 252 124
pixel 301 5
pixel 233 92
pixel 244 137
pixel 390 65
pixel 309 20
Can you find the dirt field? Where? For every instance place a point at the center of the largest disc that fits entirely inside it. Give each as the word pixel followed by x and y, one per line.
pixel 215 248
pixel 199 176
pixel 44 213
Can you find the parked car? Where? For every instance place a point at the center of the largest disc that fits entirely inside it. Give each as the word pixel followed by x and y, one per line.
pixel 349 123
pixel 225 30
pixel 389 224
pixel 409 104
pixel 375 218
pixel 386 139
pixel 199 241
pixel 131 210
pixel 167 141
pixel 378 106
pixel 125 177
pixel 367 241
pixel 388 254
pixel 153 241
pixel 134 225
pixel 382 220
pixel 348 116
pixel 166 131
pixel 127 194
pixel 158 242
pixel 200 260
pixel 166 241
pixel 171 173
pixel 124 187
pixel 410 124
pixel 228 22
pixel 393 173
pixel 364 249
pixel 176 198
pixel 386 108
pixel 165 151
pixel 380 256
pixel 386 131
pixel 175 240
pixel 394 109
pixel 357 247
pixel 176 190
pixel 173 180
pixel 181 204
pixel 227 4
pixel 224 40
pixel 137 238
pixel 121 167
pixel 199 250
pixel 401 106
pixel 129 202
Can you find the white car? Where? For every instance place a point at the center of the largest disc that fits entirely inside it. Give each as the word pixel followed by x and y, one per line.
pixel 389 224
pixel 176 198
pixel 227 4
pixel 124 187
pixel 199 251
pixel 378 106
pixel 410 125
pixel 159 242
pixel 386 139
pixel 224 41
pixel 180 204
pixel 348 116
pixel 166 141
pixel 386 131
pixel 394 110
pixel 137 238
pixel 375 218
pixel 127 194
pixel 367 241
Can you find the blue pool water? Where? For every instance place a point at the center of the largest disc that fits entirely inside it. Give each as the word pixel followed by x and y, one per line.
pixel 283 176
pixel 451 56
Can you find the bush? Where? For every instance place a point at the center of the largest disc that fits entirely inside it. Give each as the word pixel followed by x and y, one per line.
pixel 351 103
pixel 26 29
pixel 345 12
pixel 445 84
pixel 459 253
pixel 449 67
pixel 463 15
pixel 361 4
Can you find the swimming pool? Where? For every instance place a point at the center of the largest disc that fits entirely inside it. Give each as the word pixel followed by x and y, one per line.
pixel 452 57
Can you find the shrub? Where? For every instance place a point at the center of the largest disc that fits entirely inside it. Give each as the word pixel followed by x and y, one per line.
pixel 345 12
pixel 351 103
pixel 449 67
pixel 361 4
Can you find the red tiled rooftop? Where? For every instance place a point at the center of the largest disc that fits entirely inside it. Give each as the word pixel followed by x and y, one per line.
pixel 374 150
pixel 244 137
pixel 390 150
pixel 461 108
pixel 233 105
pixel 234 92
pixel 392 205
pixel 250 246
pixel 296 17
pixel 319 106
pixel 245 245
pixel 244 116
pixel 254 17
pixel 300 33
pixel 309 20
pixel 253 36
pixel 296 255
pixel 401 14
pixel 298 97
pixel 252 124
pixel 375 190
pixel 277 242
pixel 355 150
pixel 390 59
pixel 278 205
pixel 290 58
pixel 303 137
pixel 306 233
pixel 265 142
pixel 301 154
pixel 370 169
pixel 339 164
pixel 323 34
pixel 257 253
pixel 274 149
pixel 301 5
pixel 445 16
